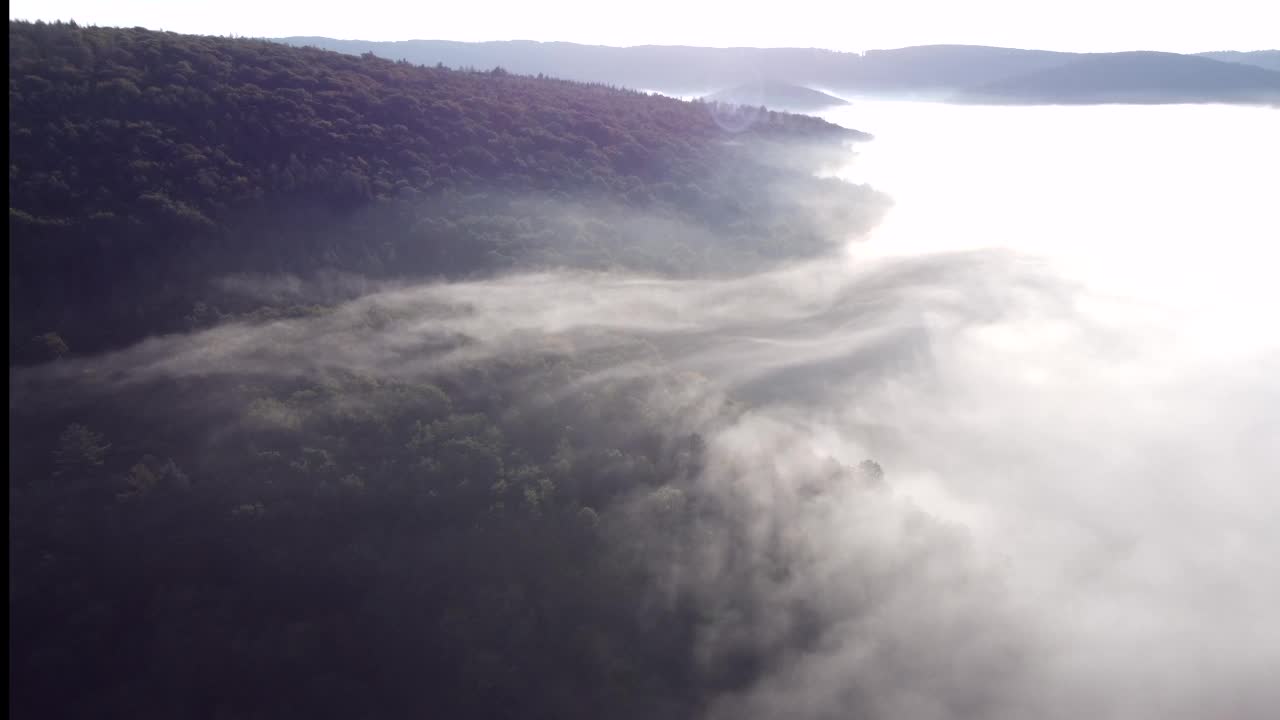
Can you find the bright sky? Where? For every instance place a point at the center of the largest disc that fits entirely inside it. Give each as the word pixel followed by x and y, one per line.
pixel 1078 25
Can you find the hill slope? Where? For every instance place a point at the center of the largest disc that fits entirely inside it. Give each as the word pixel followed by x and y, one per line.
pixel 940 68
pixel 1267 59
pixel 932 70
pixel 696 70
pixel 155 161
pixel 677 70
pixel 399 501
pixel 779 96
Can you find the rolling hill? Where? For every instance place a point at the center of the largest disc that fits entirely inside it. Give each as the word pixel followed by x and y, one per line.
pixel 698 70
pixel 155 161
pixel 1268 59
pixel 931 71
pixel 778 96
pixel 1135 77
pixel 435 534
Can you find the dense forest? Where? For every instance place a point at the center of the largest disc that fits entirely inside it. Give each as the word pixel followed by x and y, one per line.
pixel 265 461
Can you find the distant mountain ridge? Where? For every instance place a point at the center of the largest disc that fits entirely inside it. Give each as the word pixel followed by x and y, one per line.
pixel 945 72
pixel 1269 59
pixel 1135 77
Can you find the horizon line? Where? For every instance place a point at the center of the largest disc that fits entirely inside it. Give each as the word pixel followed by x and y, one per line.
pixel 862 52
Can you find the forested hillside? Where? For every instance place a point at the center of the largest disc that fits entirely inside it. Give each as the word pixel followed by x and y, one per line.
pixel 142 164
pixel 270 458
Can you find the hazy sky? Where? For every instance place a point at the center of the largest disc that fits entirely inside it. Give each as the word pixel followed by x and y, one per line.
pixel 1080 25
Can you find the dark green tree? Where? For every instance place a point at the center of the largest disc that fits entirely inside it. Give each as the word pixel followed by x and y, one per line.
pixel 79 449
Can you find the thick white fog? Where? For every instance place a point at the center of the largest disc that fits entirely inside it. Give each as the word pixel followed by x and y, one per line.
pixel 1115 438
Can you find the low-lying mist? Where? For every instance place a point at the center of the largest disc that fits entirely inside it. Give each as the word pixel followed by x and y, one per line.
pixel 1076 514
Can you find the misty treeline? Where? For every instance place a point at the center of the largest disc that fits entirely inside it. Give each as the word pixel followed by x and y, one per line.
pixel 343 545
pixel 241 489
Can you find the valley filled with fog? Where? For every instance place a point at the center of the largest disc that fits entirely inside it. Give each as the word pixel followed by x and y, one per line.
pixel 380 390
pixel 1060 347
